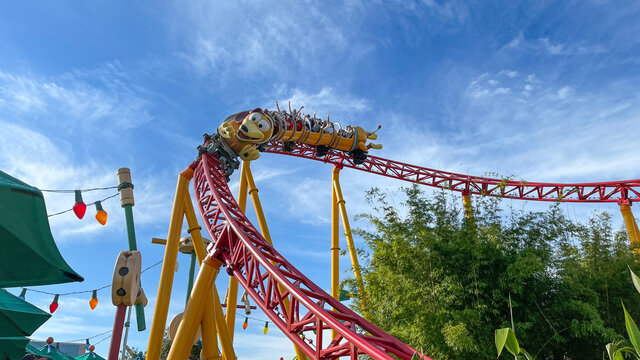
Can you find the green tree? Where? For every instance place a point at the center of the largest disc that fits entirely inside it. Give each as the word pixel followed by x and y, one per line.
pixel 439 281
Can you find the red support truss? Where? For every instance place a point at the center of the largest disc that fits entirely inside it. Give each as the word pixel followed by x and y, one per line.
pixel 269 279
pixel 612 191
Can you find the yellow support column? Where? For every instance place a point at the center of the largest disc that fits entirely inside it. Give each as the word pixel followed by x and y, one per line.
pixel 632 226
pixel 350 245
pixel 335 242
pixel 182 344
pixel 232 298
pixel 210 348
pixel 253 191
pixel 168 268
pixel 466 203
pixel 218 315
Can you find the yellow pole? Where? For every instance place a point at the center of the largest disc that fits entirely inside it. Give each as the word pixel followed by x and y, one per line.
pixel 232 298
pixel 168 268
pixel 223 334
pixel 253 191
pixel 182 344
pixel 632 226
pixel 466 203
pixel 350 246
pixel 335 242
pixel 210 348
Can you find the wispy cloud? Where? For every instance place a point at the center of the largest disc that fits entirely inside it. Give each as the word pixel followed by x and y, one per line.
pixel 544 45
pixel 253 38
pixel 71 102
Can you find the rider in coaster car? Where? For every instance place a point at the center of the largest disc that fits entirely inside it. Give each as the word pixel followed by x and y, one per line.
pixel 245 131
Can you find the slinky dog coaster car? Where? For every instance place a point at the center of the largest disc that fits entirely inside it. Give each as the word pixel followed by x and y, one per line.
pixel 242 134
pixel 125 287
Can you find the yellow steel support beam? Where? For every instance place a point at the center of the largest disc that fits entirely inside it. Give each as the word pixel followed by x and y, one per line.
pixel 335 244
pixel 168 268
pixel 210 348
pixel 253 191
pixel 182 344
pixel 466 203
pixel 632 226
pixel 232 292
pixel 214 312
pixel 350 246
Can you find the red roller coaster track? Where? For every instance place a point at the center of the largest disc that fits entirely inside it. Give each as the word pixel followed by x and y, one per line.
pixel 611 191
pixel 261 271
pixel 270 279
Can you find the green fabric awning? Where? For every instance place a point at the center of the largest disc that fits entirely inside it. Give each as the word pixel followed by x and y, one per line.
pixel 51 352
pixel 35 351
pixel 30 255
pixel 18 317
pixel 90 356
pixel 12 348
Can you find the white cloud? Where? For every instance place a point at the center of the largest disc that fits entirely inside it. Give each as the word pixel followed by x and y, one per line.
pixel 325 101
pixel 254 38
pixel 549 47
pixel 69 102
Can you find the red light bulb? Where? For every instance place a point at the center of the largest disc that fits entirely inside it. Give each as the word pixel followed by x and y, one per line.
pixel 54 304
pixel 79 208
pixel 49 340
pixel 91 348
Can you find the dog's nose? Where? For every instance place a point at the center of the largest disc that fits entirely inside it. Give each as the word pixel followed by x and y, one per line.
pixel 244 128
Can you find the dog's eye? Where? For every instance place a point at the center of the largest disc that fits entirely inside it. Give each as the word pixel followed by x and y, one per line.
pixel 263 125
pixel 255 117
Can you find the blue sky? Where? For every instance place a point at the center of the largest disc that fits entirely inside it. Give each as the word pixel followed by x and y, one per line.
pixel 543 91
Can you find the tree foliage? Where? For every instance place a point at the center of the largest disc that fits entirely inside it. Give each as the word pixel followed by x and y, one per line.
pixel 440 281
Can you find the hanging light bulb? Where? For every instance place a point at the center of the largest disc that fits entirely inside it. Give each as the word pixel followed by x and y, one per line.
pixel 266 328
pixel 94 299
pixel 54 304
pixel 23 293
pixel 101 215
pixel 245 323
pixel 79 208
pixel 87 345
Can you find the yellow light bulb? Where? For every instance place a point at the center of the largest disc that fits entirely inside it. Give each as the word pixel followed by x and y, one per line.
pixel 266 328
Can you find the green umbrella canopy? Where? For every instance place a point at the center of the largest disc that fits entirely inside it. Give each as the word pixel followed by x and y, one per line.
pixel 18 317
pixel 50 351
pixel 30 255
pixel 90 356
pixel 33 350
pixel 12 348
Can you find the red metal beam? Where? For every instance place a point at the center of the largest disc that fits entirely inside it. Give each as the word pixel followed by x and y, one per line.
pixel 611 191
pixel 260 270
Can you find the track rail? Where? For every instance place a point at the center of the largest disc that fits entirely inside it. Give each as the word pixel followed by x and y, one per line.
pixel 269 278
pixel 613 191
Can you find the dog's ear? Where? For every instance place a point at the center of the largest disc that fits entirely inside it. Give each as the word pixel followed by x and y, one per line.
pixel 257 110
pixel 241 115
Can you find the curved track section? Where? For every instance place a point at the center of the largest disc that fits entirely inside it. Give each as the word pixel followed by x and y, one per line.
pixel 613 191
pixel 270 279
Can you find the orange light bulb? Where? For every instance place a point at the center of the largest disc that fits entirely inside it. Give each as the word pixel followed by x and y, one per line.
pixel 245 324
pixel 94 300
pixel 101 215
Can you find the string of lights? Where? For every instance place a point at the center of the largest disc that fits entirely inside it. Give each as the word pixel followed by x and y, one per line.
pixel 93 302
pixel 76 207
pixel 91 337
pixel 82 190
